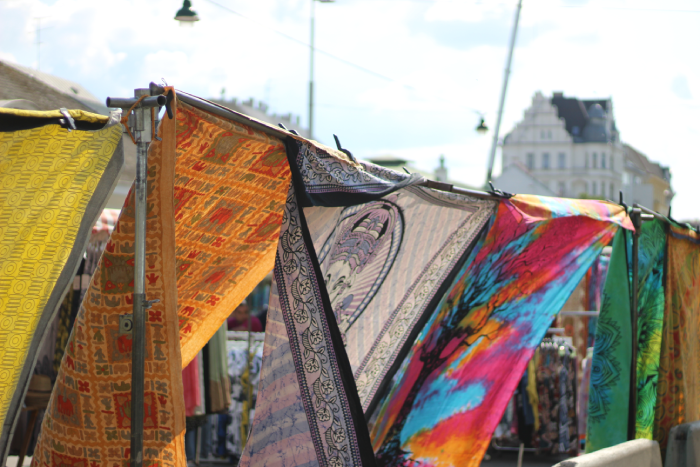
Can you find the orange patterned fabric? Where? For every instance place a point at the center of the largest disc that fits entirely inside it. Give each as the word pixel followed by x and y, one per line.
pixel 216 192
pixel 87 423
pixel 230 191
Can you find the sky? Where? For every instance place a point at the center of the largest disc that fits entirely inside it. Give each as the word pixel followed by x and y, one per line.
pixel 420 72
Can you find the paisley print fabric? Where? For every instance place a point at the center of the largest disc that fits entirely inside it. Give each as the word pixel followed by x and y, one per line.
pixel 53 183
pixel 461 371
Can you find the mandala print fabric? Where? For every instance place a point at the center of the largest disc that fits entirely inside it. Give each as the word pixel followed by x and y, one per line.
pixel 650 317
pixel 459 375
pixel 230 188
pixel 88 418
pixel 610 374
pixel 678 392
pixel 608 400
pixel 384 265
pixel 53 184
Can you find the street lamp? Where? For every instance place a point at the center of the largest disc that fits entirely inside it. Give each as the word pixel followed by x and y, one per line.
pixel 311 66
pixel 482 128
pixel 185 15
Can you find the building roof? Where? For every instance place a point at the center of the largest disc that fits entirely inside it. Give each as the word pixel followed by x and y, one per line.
pixel 516 177
pixel 48 92
pixel 580 124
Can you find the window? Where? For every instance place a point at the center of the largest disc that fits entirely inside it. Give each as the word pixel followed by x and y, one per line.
pixel 586 160
pixel 542 134
pixel 594 189
pixel 602 190
pixel 545 160
pixel 562 188
pixel 562 160
pixel 595 160
pixel 612 190
pixel 549 134
pixel 530 161
pixel 612 162
pixel 602 160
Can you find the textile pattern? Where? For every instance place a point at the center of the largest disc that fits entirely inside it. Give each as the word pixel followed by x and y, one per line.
pixel 678 391
pixel 650 317
pixel 610 374
pixel 52 184
pixel 385 265
pixel 230 189
pixel 465 364
pixel 88 419
pixel 608 399
pixel 330 429
pixel 332 178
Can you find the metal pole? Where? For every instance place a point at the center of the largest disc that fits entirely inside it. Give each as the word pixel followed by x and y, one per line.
pixel 494 145
pixel 311 72
pixel 636 217
pixel 142 134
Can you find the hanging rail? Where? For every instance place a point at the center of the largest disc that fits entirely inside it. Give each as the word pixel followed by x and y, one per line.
pixel 281 133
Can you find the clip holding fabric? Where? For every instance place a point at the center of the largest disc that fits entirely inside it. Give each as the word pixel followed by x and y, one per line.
pixel 68 123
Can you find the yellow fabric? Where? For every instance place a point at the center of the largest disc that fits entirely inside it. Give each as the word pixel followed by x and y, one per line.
pixel 88 421
pixel 47 177
pixel 76 114
pixel 531 388
pixel 230 190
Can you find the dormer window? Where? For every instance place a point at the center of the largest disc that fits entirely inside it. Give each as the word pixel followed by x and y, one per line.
pixel 575 130
pixel 595 160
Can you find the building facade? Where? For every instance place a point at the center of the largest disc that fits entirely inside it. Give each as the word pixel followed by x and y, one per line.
pixel 573 147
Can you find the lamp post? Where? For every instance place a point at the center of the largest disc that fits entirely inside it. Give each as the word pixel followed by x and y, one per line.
pixel 311 66
pixel 494 145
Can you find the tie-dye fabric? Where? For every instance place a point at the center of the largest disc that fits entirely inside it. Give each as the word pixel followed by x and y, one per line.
pixel 608 409
pixel 465 364
pixel 53 185
pixel 650 316
pixel 678 391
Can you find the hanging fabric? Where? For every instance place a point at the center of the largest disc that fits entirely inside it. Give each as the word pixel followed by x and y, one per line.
pixel 610 378
pixel 216 193
pixel 608 399
pixel 678 391
pixel 89 413
pixel 465 364
pixel 219 383
pixel 54 182
pixel 650 317
pixel 361 265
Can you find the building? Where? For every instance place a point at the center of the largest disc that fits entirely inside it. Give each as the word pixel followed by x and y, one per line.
pixel 573 147
pixel 518 179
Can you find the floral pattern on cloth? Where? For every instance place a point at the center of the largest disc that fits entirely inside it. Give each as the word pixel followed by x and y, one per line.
pixel 467 361
pixel 230 189
pixel 678 390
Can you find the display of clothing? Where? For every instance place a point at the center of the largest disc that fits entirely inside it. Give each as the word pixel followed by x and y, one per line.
pixel 583 398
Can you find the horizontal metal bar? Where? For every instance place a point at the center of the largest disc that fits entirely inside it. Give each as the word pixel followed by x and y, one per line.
pixel 222 111
pixel 128 102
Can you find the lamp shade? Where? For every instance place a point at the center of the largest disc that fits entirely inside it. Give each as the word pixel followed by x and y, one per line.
pixel 482 128
pixel 185 14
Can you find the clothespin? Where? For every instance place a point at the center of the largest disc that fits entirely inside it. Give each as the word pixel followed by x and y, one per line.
pixel 67 122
